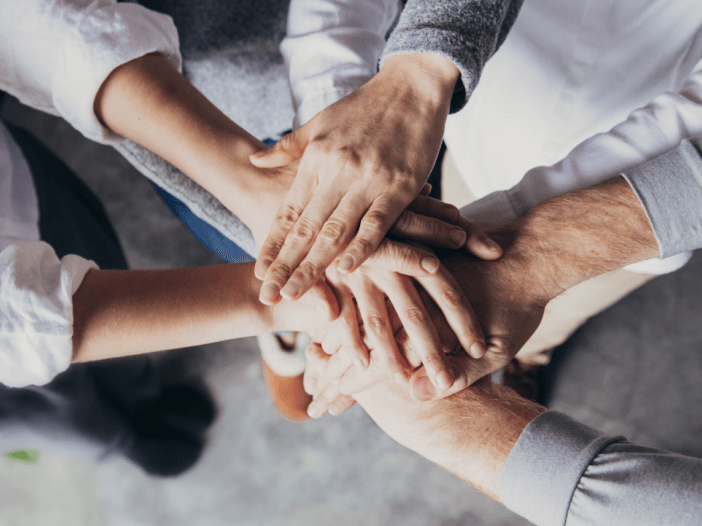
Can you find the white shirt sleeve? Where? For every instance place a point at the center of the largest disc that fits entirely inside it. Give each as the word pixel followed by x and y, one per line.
pixel 332 48
pixel 36 312
pixel 648 132
pixel 55 54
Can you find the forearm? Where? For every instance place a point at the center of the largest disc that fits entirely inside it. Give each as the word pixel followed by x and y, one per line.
pixel 118 313
pixel 149 102
pixel 582 234
pixel 470 433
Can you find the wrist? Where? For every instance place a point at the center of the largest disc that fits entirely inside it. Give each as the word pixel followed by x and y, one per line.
pixel 432 78
pixel 579 235
pixel 495 417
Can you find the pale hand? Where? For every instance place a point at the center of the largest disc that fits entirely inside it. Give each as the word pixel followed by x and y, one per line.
pixel 364 160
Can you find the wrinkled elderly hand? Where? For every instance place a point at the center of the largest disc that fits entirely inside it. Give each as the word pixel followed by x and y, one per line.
pixel 508 297
pixel 385 278
pixel 363 160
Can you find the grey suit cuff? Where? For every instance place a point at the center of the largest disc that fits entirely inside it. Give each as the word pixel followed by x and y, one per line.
pixel 545 466
pixel 670 190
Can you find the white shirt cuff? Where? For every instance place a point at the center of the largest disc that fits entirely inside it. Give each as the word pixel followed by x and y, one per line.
pixel 109 36
pixel 36 312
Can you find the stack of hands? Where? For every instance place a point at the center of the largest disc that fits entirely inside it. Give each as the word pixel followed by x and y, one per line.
pixel 434 308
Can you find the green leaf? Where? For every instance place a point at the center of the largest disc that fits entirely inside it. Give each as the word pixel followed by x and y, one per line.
pixel 28 456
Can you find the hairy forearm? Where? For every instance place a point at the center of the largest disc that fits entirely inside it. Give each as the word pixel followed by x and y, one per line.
pixel 579 235
pixel 148 101
pixel 123 312
pixel 470 434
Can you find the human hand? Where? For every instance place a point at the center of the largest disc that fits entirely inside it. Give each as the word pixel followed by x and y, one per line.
pixel 377 295
pixel 364 159
pixel 508 297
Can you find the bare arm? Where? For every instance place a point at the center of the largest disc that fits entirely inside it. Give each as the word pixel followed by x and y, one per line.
pixel 555 246
pixel 148 101
pixel 123 312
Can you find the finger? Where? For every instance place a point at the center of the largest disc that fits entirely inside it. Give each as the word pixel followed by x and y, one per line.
pixel 447 337
pixel 428 206
pixel 290 147
pixel 404 258
pixel 426 189
pixel 478 242
pixel 467 371
pixel 429 230
pixel 336 226
pixel 298 239
pixel 422 333
pixel 323 299
pixel 342 404
pixel 375 224
pixel 314 380
pixel 371 304
pixel 346 327
pixel 355 380
pixel 454 304
pixel 321 402
pixel 300 193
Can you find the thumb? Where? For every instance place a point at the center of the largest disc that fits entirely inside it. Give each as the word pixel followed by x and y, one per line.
pixel 322 299
pixel 285 151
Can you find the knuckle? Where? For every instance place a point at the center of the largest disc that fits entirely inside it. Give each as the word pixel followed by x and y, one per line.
pixel 280 271
pixel 364 246
pixel 287 216
pixel 415 318
pixel 333 232
pixel 303 232
pixel 308 271
pixel 450 297
pixel 409 259
pixel 374 220
pixel 376 324
pixel 407 222
pixel 432 361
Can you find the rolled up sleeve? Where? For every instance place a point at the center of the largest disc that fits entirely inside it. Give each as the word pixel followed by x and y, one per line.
pixel 55 55
pixel 36 312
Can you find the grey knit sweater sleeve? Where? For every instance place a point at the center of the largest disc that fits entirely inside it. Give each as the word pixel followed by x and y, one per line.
pixel 562 472
pixel 670 190
pixel 467 32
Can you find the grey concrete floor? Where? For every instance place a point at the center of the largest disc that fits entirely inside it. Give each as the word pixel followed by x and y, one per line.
pixel 633 369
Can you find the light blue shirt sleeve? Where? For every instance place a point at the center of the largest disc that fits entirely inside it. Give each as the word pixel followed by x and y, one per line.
pixel 562 472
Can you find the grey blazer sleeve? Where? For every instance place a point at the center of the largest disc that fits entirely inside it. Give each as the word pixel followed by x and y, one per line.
pixel 467 32
pixel 562 472
pixel 670 190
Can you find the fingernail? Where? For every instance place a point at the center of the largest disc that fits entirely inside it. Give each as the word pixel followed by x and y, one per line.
pixel 257 154
pixel 492 245
pixel 423 389
pixel 290 290
pixel 401 378
pixel 444 380
pixel 321 308
pixel 346 264
pixel 314 410
pixel 477 349
pixel 269 293
pixel 430 264
pixel 458 236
